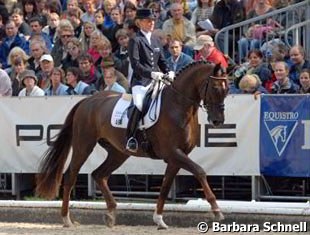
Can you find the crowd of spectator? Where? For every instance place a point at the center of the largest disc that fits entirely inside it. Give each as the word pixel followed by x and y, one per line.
pixel 79 47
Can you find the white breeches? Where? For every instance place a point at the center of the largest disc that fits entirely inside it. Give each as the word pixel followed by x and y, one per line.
pixel 138 94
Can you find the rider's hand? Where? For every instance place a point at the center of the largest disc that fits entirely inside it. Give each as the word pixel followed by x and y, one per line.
pixel 170 76
pixel 157 75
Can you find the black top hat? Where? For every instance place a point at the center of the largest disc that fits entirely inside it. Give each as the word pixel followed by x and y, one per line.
pixel 144 13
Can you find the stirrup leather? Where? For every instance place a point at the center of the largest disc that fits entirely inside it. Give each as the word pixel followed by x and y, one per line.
pixel 132 144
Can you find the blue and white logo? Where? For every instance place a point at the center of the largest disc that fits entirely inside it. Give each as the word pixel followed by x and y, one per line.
pixel 280 133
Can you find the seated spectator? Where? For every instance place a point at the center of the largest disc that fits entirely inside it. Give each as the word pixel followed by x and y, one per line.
pixel 89 14
pixel 283 85
pixel 57 86
pixel 37 49
pixel 159 13
pixel 185 8
pixel 17 16
pixel 74 16
pixel 304 80
pixel 130 11
pixel 5 84
pixel 121 58
pixel 68 5
pixel 89 73
pixel 99 18
pixel 297 56
pixel 76 86
pixel 65 31
pixel 74 48
pixel 108 5
pixel 164 41
pixel 96 38
pixel 117 23
pixel 251 84
pixel 110 80
pixel 18 66
pixel 120 78
pixel 16 52
pixel 207 51
pixel 47 66
pixel 87 30
pixel 36 29
pixel 178 27
pixel 50 28
pixel 29 9
pixel 13 39
pixel 29 80
pixel 202 12
pixel 178 59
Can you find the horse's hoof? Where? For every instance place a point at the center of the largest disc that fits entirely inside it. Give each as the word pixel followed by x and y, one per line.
pixel 67 222
pixel 218 216
pixel 158 219
pixel 110 219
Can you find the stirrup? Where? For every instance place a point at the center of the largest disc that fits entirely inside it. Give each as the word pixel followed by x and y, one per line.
pixel 132 145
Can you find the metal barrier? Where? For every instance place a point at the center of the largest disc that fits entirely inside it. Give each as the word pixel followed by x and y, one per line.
pixel 227 38
pixel 299 34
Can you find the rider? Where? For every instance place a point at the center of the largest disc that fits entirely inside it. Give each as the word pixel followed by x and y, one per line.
pixel 148 62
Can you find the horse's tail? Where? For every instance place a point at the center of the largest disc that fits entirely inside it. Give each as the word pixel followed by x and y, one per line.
pixel 51 167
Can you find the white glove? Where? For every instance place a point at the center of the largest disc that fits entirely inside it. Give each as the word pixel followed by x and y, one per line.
pixel 170 76
pixel 157 75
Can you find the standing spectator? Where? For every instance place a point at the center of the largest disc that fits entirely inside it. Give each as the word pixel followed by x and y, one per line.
pixel 283 85
pixel 5 84
pixel 29 80
pixel 208 51
pixel 65 31
pixel 18 18
pixel 13 39
pixel 225 13
pixel 178 59
pixel 57 86
pixel 179 27
pixel 304 80
pixel 76 86
pixel 297 56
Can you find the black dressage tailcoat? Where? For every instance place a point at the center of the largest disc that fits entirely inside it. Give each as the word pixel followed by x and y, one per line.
pixel 145 58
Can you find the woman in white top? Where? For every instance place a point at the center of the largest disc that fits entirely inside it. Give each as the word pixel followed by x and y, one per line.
pixel 29 80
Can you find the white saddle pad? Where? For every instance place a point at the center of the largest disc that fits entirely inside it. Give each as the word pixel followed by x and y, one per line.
pixel 119 115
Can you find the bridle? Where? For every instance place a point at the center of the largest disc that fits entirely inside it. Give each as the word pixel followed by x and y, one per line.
pixel 203 93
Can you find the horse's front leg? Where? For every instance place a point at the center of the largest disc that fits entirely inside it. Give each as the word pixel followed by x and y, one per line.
pixel 170 174
pixel 183 161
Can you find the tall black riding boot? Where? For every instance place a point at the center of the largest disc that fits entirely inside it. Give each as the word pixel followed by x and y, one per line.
pixel 132 143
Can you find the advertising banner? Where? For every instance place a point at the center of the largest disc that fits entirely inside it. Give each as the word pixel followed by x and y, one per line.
pixel 285 135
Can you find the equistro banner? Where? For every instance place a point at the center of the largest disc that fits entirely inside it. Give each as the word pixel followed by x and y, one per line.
pixel 285 135
pixel 27 125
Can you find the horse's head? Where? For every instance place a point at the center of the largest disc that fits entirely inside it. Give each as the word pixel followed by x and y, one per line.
pixel 213 94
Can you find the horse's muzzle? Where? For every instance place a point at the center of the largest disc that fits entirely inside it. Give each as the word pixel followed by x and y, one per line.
pixel 216 123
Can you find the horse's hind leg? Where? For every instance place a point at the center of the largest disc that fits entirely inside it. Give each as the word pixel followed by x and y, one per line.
pixel 101 175
pixel 170 174
pixel 181 160
pixel 79 156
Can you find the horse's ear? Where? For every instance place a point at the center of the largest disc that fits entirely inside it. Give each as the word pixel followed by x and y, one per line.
pixel 218 71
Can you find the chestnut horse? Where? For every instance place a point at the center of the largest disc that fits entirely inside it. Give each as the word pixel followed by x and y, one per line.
pixel 173 137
